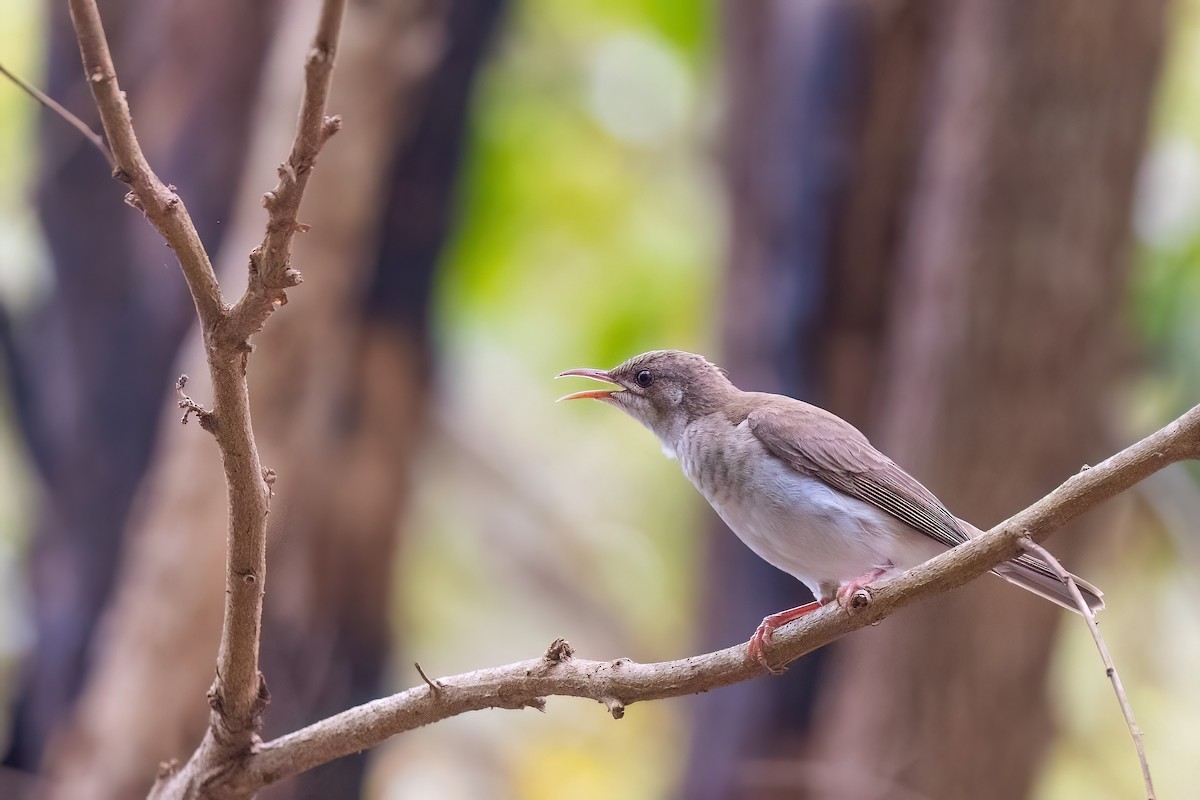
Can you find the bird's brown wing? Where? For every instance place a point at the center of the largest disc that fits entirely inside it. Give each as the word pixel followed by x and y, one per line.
pixel 816 443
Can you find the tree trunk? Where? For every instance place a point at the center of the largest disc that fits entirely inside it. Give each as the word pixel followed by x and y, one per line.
pixel 1004 348
pixel 970 250
pixel 819 135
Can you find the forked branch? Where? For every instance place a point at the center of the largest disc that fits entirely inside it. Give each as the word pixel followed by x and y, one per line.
pixel 238 694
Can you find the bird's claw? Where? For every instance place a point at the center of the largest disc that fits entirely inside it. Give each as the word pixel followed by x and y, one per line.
pixel 856 595
pixel 756 648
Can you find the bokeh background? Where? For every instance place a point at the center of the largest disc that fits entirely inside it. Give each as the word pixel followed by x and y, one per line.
pixel 971 228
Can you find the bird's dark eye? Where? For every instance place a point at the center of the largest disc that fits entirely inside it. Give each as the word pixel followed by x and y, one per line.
pixel 644 378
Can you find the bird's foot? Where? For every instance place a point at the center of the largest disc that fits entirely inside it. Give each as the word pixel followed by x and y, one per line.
pixel 766 629
pixel 853 596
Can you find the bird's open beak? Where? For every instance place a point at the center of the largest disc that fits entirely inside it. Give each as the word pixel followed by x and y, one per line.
pixel 590 394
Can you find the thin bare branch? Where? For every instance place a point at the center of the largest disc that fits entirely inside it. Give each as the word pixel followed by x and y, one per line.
pixel 1110 668
pixel 271 274
pixel 161 205
pixel 618 684
pixel 61 110
pixel 239 694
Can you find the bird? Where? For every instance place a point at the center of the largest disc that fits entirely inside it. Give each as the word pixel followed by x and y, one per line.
pixel 801 487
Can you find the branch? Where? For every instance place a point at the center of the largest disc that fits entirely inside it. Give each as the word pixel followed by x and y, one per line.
pixel 619 683
pixel 61 110
pixel 270 272
pixel 239 694
pixel 157 201
pixel 1110 669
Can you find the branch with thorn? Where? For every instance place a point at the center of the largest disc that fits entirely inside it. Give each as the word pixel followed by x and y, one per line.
pixel 433 685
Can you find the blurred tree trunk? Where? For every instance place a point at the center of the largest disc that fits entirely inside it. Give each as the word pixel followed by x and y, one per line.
pixel 91 363
pixel 338 387
pixel 1004 350
pixel 971 253
pixel 329 612
pixel 794 69
pixel 819 133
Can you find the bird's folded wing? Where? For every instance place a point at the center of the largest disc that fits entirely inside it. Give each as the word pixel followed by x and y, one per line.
pixel 820 445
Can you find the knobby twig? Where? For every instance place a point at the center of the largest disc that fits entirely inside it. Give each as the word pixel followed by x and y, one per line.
pixel 61 110
pixel 1110 669
pixel 243 694
pixel 270 272
pixel 190 406
pixel 620 683
pixel 238 694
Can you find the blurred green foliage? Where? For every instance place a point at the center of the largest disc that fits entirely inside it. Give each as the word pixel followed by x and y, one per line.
pixel 590 231
pixel 591 223
pixel 1166 301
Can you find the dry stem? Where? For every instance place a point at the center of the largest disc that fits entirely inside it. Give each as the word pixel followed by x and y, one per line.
pixel 238 694
pixel 1110 668
pixel 49 102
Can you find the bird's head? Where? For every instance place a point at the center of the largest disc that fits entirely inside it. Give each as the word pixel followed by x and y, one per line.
pixel 663 389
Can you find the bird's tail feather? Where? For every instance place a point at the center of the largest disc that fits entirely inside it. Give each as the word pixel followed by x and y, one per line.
pixel 1033 575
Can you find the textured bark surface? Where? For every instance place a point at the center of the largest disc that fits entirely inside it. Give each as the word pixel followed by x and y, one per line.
pixel 338 392
pixel 1003 348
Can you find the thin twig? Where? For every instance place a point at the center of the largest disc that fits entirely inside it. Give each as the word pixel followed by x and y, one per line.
pixel 246 566
pixel 1110 669
pixel 271 274
pixel 190 406
pixel 433 685
pixel 61 110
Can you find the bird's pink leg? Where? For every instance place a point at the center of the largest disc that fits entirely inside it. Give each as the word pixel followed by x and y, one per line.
pixel 845 592
pixel 766 629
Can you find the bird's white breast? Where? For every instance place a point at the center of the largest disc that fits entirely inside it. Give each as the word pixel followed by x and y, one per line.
pixel 795 522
